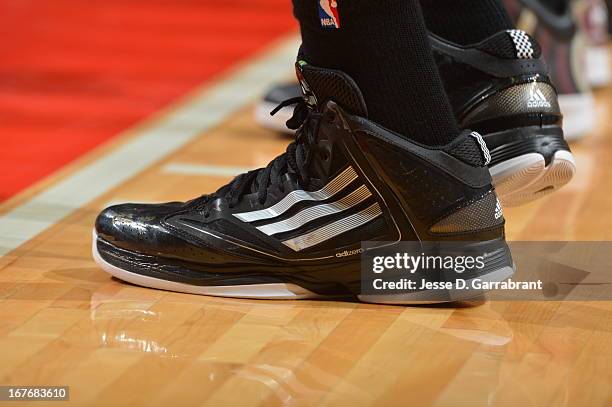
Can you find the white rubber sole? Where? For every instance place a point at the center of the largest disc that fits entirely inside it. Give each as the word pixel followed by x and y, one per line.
pixel 579 114
pixel 277 291
pixel 282 291
pixel 526 178
pixel 598 66
pixel 276 122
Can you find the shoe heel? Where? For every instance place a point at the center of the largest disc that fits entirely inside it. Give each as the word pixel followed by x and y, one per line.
pixel 529 162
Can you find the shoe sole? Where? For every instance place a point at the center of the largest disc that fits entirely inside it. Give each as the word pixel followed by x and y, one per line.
pixel 288 291
pixel 277 291
pixel 526 178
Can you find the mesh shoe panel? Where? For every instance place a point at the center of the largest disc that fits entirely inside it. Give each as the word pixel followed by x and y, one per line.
pixel 466 148
pixel 334 85
pixel 502 45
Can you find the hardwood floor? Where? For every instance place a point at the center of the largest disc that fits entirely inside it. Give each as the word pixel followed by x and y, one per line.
pixel 65 322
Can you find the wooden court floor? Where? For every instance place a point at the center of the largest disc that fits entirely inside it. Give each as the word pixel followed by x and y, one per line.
pixel 65 322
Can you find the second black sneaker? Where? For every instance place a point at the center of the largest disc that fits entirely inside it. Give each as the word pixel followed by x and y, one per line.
pixel 500 88
pixel 295 228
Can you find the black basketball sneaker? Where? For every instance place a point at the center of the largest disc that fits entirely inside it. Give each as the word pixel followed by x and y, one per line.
pixel 500 88
pixel 295 228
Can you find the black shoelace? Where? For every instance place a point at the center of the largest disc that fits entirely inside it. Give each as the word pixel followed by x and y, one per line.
pixel 295 160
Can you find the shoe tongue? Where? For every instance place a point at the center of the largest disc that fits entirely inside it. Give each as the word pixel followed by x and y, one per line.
pixel 511 44
pixel 320 85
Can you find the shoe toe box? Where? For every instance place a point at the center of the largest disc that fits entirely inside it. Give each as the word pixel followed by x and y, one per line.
pixel 137 227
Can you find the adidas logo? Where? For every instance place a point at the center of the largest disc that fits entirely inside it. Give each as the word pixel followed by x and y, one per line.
pixel 498 210
pixel 537 99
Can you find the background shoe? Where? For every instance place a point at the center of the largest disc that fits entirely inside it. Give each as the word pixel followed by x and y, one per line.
pixel 295 228
pixel 274 97
pixel 592 18
pixel 564 50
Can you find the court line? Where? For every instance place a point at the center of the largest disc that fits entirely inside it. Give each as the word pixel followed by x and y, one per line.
pixel 196 169
pixel 150 142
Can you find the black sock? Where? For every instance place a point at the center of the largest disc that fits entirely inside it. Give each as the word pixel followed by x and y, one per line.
pixel 465 21
pixel 383 46
pixel 556 6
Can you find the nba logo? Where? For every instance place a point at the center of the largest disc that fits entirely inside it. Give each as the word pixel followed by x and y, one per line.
pixel 328 12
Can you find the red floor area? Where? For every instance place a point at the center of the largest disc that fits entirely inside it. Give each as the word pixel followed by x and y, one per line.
pixel 74 74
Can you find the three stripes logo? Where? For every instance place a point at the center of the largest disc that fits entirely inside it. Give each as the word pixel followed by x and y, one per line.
pixel 537 99
pixel 320 204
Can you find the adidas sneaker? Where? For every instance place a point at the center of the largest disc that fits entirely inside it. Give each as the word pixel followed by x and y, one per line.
pixel 500 88
pixel 295 228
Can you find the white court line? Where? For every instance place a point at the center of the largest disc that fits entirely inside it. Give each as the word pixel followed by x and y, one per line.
pixel 184 121
pixel 196 169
